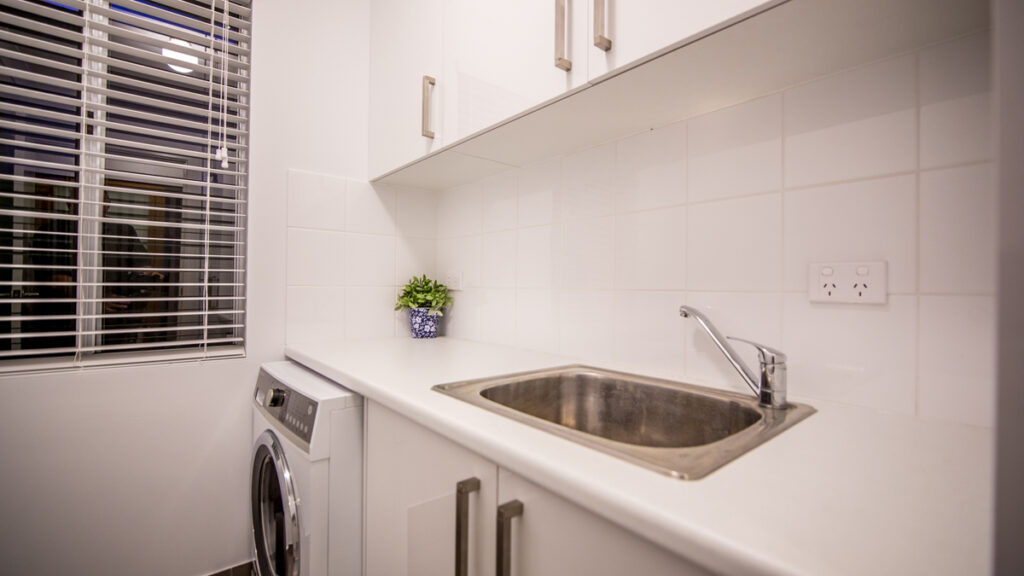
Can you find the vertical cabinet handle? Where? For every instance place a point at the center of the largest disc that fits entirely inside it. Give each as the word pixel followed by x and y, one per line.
pixel 428 81
pixel 560 41
pixel 462 491
pixel 506 512
pixel 600 40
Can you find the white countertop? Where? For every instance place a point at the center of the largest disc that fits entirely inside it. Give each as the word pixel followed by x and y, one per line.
pixel 847 491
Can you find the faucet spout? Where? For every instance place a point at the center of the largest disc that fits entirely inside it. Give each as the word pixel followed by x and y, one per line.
pixel 770 388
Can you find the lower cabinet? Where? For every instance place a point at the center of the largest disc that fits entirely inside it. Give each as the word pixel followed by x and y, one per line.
pixel 504 525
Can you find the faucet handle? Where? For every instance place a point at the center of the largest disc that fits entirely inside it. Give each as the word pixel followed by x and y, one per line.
pixel 766 354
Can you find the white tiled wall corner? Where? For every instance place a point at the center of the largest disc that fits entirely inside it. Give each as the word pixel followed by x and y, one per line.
pixel 369 312
pixel 865 220
pixel 736 151
pixel 956 102
pixel 369 210
pixel 459 211
pixel 350 247
pixel 369 260
pixel 650 169
pixel 416 212
pixel 958 230
pixel 854 124
pixel 956 359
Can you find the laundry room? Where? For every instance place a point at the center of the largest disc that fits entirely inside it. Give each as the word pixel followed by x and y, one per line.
pixel 555 287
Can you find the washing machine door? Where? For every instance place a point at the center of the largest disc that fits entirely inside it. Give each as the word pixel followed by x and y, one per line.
pixel 275 510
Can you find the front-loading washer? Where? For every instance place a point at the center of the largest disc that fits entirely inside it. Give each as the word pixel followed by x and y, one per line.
pixel 307 479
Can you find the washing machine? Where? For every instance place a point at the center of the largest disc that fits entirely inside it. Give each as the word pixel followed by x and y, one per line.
pixel 307 479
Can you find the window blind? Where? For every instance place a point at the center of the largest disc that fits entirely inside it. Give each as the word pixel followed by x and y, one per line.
pixel 123 180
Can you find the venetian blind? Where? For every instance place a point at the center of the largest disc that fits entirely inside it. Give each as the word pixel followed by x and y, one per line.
pixel 122 229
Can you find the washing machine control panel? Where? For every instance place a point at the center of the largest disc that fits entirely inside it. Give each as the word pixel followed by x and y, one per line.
pixel 296 412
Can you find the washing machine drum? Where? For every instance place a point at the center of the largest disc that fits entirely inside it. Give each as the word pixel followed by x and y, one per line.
pixel 275 512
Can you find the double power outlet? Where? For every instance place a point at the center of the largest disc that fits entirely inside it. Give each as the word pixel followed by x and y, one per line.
pixel 849 282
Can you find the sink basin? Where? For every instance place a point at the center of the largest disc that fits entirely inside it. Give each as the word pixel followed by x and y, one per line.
pixel 682 430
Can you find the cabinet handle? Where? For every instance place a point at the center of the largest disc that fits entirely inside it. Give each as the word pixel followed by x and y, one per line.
pixel 462 491
pixel 428 81
pixel 506 512
pixel 560 60
pixel 600 40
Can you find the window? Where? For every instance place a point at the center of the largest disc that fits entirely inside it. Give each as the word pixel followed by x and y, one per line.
pixel 122 220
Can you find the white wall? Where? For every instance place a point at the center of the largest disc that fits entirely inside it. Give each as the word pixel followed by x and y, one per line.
pixel 351 245
pixel 144 470
pixel 591 254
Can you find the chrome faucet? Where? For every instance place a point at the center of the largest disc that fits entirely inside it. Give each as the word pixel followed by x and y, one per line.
pixel 771 388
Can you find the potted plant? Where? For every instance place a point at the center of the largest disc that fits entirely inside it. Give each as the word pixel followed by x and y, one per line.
pixel 426 300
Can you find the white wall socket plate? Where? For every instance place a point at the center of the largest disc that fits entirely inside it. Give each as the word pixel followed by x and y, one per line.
pixel 849 282
pixel 453 280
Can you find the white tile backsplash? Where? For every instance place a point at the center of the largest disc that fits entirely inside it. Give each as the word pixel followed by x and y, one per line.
pixel 500 202
pixel 588 258
pixel 539 192
pixel 854 124
pixel 647 332
pixel 587 187
pixel 865 220
pixel 958 230
pixel 735 245
pixel 350 247
pixel 650 249
pixel 537 250
pixel 368 209
pixel 591 254
pixel 957 359
pixel 315 313
pixel 315 257
pixel 369 260
pixel 956 102
pixel 498 260
pixel 736 151
pixel 650 170
pixel 315 201
pixel 863 355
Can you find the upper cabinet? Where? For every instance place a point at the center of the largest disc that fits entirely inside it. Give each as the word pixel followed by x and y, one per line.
pixel 406 84
pixel 502 58
pixel 442 70
pixel 526 81
pixel 622 31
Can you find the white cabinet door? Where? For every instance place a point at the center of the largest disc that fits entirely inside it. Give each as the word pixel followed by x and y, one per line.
pixel 553 537
pixel 405 45
pixel 500 58
pixel 411 500
pixel 636 28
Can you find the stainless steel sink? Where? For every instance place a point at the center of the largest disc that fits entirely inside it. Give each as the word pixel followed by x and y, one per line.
pixel 682 430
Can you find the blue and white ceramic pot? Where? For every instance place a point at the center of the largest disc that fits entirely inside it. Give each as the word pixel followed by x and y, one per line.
pixel 424 325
